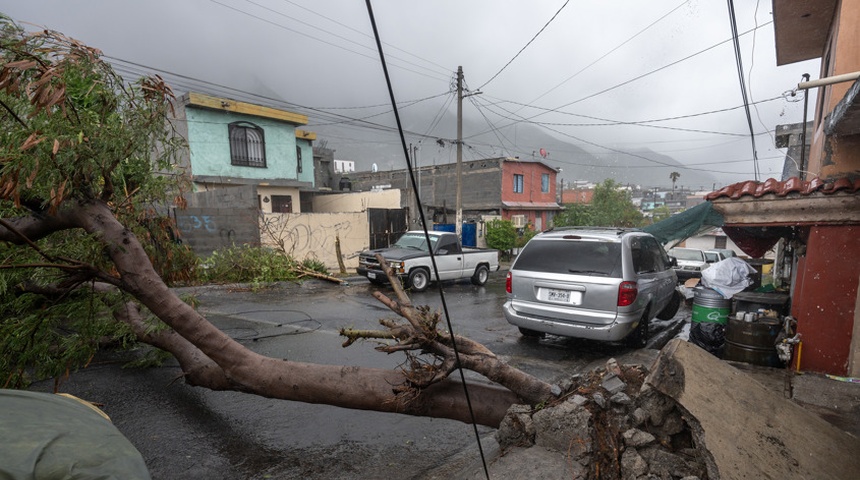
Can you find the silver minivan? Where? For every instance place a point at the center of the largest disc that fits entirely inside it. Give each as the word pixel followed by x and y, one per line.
pixel 594 283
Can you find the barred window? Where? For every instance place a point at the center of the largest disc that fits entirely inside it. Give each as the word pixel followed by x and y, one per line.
pixel 298 159
pixel 247 145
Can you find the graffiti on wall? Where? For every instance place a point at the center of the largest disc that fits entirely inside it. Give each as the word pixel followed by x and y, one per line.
pixel 309 236
pixel 211 231
pixel 189 223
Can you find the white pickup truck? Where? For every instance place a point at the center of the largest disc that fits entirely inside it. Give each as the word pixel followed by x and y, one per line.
pixel 410 259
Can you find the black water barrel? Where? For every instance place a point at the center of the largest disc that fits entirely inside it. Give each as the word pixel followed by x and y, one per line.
pixel 753 342
pixel 752 301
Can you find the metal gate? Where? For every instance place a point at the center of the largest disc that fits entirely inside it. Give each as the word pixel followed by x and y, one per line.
pixel 386 226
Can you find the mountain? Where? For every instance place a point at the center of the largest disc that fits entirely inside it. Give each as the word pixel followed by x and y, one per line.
pixel 369 146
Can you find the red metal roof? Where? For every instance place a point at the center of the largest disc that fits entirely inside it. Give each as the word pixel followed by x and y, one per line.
pixel 783 188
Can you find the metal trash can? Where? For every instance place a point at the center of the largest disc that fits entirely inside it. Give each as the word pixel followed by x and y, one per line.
pixel 753 342
pixel 710 316
pixel 710 306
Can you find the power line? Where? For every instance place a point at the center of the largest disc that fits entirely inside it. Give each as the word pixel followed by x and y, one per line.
pixel 609 89
pixel 526 45
pixel 276 101
pixel 740 67
pixel 613 50
pixel 365 34
pixel 243 12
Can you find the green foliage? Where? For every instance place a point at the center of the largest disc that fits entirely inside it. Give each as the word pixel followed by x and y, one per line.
pixel 501 235
pixel 574 214
pixel 660 213
pixel 314 265
pixel 46 337
pixel 610 207
pixel 523 239
pixel 74 131
pixel 247 264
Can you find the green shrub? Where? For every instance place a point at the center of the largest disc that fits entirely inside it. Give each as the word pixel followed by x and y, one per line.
pixel 247 264
pixel 501 235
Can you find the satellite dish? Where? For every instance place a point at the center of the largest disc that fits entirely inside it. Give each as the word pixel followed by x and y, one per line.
pixel 374 168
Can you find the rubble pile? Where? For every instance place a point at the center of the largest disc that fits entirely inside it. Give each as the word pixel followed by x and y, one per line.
pixel 609 426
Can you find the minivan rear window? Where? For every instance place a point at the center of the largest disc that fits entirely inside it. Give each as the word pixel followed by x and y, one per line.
pixel 571 257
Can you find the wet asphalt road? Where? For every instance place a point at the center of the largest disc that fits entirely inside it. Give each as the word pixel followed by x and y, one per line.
pixel 188 432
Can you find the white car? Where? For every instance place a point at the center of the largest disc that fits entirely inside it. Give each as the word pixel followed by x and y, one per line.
pixel 691 262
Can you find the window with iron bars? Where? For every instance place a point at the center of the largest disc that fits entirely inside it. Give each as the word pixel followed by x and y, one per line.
pixel 247 145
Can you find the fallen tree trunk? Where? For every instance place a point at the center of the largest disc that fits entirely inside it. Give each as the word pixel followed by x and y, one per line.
pixel 211 359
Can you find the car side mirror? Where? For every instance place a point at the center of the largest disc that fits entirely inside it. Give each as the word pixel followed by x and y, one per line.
pixel 673 261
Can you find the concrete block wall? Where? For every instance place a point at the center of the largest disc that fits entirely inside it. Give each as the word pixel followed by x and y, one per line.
pixel 313 235
pixel 220 218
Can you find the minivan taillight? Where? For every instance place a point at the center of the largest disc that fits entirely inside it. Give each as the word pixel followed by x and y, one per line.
pixel 627 293
pixel 508 283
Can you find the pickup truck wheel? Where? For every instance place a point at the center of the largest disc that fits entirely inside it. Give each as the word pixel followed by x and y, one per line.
pixel 419 279
pixel 482 273
pixel 671 308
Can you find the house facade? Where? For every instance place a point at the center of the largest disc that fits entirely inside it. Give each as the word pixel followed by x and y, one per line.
pixel 232 143
pixel 816 214
pixel 508 188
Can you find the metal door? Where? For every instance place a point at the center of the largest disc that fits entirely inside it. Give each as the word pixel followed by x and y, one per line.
pixel 386 226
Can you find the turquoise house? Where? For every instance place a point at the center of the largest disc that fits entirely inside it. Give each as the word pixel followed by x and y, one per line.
pixel 232 143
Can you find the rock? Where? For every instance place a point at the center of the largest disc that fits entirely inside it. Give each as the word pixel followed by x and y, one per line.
pixel 517 428
pixel 673 423
pixel 637 438
pixel 632 464
pixel 747 430
pixel 666 464
pixel 578 400
pixel 639 417
pixel 612 384
pixel 565 428
pixel 656 404
pixel 621 398
pixel 612 367
pixel 599 399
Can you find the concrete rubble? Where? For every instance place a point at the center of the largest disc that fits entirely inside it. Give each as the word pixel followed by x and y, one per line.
pixel 689 416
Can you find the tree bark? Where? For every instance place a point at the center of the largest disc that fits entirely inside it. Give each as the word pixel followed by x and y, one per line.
pixel 211 359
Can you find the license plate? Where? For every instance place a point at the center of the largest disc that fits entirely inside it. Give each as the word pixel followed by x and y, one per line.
pixel 563 296
pixel 371 275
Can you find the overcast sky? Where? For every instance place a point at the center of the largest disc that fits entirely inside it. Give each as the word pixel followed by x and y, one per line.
pixel 595 64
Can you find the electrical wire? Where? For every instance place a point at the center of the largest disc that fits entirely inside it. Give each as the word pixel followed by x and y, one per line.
pixel 526 45
pixel 427 236
pixel 639 77
pixel 284 27
pixel 387 45
pixel 613 50
pixel 739 63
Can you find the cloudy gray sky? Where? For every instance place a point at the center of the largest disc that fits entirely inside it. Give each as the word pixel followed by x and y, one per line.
pixel 608 76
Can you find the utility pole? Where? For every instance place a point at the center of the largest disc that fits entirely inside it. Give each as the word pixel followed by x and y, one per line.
pixel 459 217
pixel 460 96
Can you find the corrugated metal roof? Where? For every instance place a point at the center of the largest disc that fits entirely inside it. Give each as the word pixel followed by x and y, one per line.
pixel 533 205
pixel 783 188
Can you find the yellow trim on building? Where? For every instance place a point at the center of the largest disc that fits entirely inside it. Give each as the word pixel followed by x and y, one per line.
pixel 305 135
pixel 207 101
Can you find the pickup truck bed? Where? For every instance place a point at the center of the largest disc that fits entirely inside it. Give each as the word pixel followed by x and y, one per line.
pixel 410 258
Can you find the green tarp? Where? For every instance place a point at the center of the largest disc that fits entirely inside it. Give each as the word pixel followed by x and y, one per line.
pixel 689 223
pixel 52 437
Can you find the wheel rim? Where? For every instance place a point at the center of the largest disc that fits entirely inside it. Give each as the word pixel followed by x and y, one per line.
pixel 419 281
pixel 483 275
